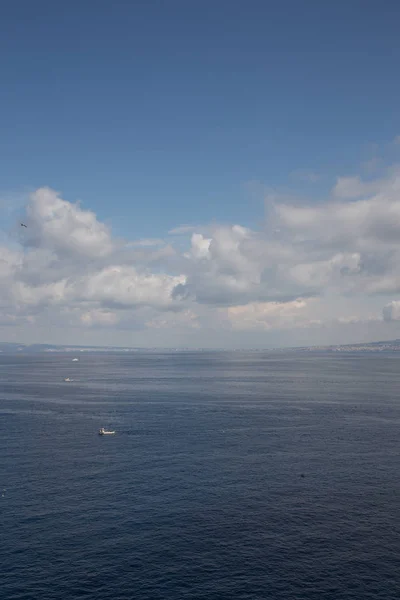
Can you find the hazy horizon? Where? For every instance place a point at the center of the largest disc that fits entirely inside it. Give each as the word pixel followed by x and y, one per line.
pixel 80 347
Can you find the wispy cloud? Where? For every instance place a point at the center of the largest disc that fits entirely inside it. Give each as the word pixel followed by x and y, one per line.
pixel 307 175
pixel 146 243
pixel 372 165
pixel 182 230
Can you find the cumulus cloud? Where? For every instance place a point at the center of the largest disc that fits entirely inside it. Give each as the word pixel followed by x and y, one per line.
pixel 391 312
pixel 124 287
pixel 361 236
pixel 67 261
pixel 223 268
pixel 312 264
pixel 271 315
pixel 63 227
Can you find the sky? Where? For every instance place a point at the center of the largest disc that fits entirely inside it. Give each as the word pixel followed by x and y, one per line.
pixel 199 174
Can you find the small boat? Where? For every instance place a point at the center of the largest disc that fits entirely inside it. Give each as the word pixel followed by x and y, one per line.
pixel 68 379
pixel 103 431
pixel 75 359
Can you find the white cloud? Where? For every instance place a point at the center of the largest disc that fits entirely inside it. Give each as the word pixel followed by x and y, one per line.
pixel 125 287
pixel 99 317
pixel 68 262
pixel 391 312
pixel 270 315
pixel 357 224
pixel 326 265
pixel 200 247
pixel 353 187
pixel 63 227
pixel 224 268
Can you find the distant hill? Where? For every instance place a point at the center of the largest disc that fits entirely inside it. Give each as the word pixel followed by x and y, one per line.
pixel 40 348
pixel 384 346
pixel 13 348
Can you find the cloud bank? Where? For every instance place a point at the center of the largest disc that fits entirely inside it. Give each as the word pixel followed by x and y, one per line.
pixel 314 269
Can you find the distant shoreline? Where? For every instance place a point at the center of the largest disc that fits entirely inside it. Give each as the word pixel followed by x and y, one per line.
pixel 13 348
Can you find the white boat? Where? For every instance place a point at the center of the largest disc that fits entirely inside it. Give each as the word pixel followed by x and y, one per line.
pixel 103 431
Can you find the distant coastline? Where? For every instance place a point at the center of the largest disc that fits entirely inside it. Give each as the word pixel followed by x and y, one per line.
pixel 14 348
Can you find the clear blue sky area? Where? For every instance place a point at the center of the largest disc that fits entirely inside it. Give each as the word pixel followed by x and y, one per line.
pixel 158 113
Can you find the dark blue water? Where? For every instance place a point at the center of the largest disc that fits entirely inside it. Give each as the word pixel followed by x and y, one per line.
pixel 231 476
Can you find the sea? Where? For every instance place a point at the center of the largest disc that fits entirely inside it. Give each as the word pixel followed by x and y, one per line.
pixel 231 476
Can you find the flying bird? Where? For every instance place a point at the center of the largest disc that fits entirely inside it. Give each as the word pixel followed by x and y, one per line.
pixel 23 225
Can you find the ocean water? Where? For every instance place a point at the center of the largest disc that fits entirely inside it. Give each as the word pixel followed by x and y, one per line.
pixel 231 476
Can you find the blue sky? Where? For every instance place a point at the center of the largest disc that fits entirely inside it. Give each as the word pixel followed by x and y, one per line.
pixel 158 114
pixel 153 111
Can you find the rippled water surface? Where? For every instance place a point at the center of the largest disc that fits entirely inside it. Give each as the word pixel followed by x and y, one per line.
pixel 231 476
